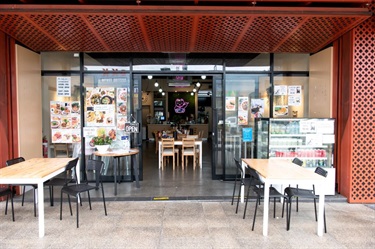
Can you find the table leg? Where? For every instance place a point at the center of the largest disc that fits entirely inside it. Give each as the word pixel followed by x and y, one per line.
pixel 266 207
pixel 243 187
pixel 320 215
pixel 115 162
pixel 136 171
pixel 200 155
pixel 159 152
pixel 41 209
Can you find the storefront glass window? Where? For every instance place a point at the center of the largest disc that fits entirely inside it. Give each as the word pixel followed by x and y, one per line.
pixel 291 97
pixel 65 61
pixel 106 62
pixel 291 62
pixel 248 62
pixel 61 116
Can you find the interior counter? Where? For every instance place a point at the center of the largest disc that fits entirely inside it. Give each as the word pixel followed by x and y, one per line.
pixel 163 127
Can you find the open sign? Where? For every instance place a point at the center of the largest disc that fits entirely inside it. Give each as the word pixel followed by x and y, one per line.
pixel 132 127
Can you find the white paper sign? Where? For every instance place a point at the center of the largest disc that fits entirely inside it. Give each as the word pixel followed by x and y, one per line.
pixel 63 85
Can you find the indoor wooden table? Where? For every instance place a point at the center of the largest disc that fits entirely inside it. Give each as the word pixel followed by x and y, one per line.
pixel 116 154
pixel 198 142
pixel 34 171
pixel 283 172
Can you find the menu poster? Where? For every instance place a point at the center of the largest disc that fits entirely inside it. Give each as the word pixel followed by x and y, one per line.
pixel 294 100
pixel 76 135
pixel 101 131
pixel 63 120
pixel 257 108
pixel 281 110
pixel 280 90
pixel 76 110
pixel 122 97
pixel 61 136
pixel 243 107
pixel 100 96
pixel 63 85
pixel 230 103
pixel 100 102
pixel 294 90
pixel 121 120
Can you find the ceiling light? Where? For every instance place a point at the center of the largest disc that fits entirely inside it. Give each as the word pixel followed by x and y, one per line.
pixel 163 93
pixel 156 84
pixel 194 90
pixel 149 77
pixel 203 77
pixel 160 90
pixel 198 84
pixel 192 94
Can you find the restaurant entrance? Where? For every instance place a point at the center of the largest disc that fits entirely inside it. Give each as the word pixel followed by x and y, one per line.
pixel 160 111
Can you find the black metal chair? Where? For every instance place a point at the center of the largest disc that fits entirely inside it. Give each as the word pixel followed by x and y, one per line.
pixel 296 192
pixel 7 191
pixel 244 182
pixel 259 191
pixel 67 177
pixel 13 161
pixel 93 167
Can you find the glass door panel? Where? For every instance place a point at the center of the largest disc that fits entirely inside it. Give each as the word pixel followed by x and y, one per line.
pixel 246 98
pixel 107 107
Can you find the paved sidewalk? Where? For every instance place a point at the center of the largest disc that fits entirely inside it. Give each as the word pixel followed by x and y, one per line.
pixel 186 224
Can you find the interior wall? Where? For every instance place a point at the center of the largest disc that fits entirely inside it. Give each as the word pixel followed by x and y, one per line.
pixel 320 84
pixel 29 97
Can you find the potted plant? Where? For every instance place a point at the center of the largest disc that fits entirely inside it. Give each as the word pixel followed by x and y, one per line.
pixel 101 142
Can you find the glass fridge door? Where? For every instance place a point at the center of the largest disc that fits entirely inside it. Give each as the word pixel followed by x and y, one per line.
pixel 261 135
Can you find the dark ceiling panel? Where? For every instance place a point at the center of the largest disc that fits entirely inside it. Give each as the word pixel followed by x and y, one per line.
pixel 181 29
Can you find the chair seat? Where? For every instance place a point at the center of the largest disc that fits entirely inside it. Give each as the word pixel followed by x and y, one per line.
pixel 273 192
pixel 297 192
pixel 78 188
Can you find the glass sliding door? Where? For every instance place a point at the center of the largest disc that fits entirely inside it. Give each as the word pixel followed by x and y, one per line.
pixel 247 96
pixel 218 149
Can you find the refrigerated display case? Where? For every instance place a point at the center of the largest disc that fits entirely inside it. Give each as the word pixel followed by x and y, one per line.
pixel 311 140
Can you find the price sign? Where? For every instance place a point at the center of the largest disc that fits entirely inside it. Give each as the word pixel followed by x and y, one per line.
pixel 132 127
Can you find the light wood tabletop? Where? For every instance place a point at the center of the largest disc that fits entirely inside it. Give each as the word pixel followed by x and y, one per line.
pixel 36 168
pixel 118 153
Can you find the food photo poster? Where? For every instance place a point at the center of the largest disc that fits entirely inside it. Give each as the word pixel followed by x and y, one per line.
pixel 243 108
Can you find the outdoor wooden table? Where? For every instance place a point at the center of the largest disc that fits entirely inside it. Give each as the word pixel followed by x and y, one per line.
pixel 117 154
pixel 279 171
pixel 34 171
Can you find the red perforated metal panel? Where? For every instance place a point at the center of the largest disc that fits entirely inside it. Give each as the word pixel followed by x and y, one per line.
pixel 219 29
pixel 363 160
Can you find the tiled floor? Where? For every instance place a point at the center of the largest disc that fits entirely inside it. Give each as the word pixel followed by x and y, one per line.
pixel 200 216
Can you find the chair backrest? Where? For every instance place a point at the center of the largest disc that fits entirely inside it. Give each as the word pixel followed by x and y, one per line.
pixel 321 171
pixel 192 136
pixel 254 174
pixel 94 171
pixel 61 148
pixel 14 161
pixel 70 173
pixel 188 143
pixel 298 161
pixel 239 167
pixel 167 144
pixel 181 136
pixel 200 134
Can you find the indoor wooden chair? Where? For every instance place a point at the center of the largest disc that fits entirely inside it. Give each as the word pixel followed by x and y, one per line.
pixel 197 151
pixel 188 149
pixel 167 150
pixel 61 150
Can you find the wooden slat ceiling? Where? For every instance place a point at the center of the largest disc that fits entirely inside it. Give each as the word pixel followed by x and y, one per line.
pixel 180 26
